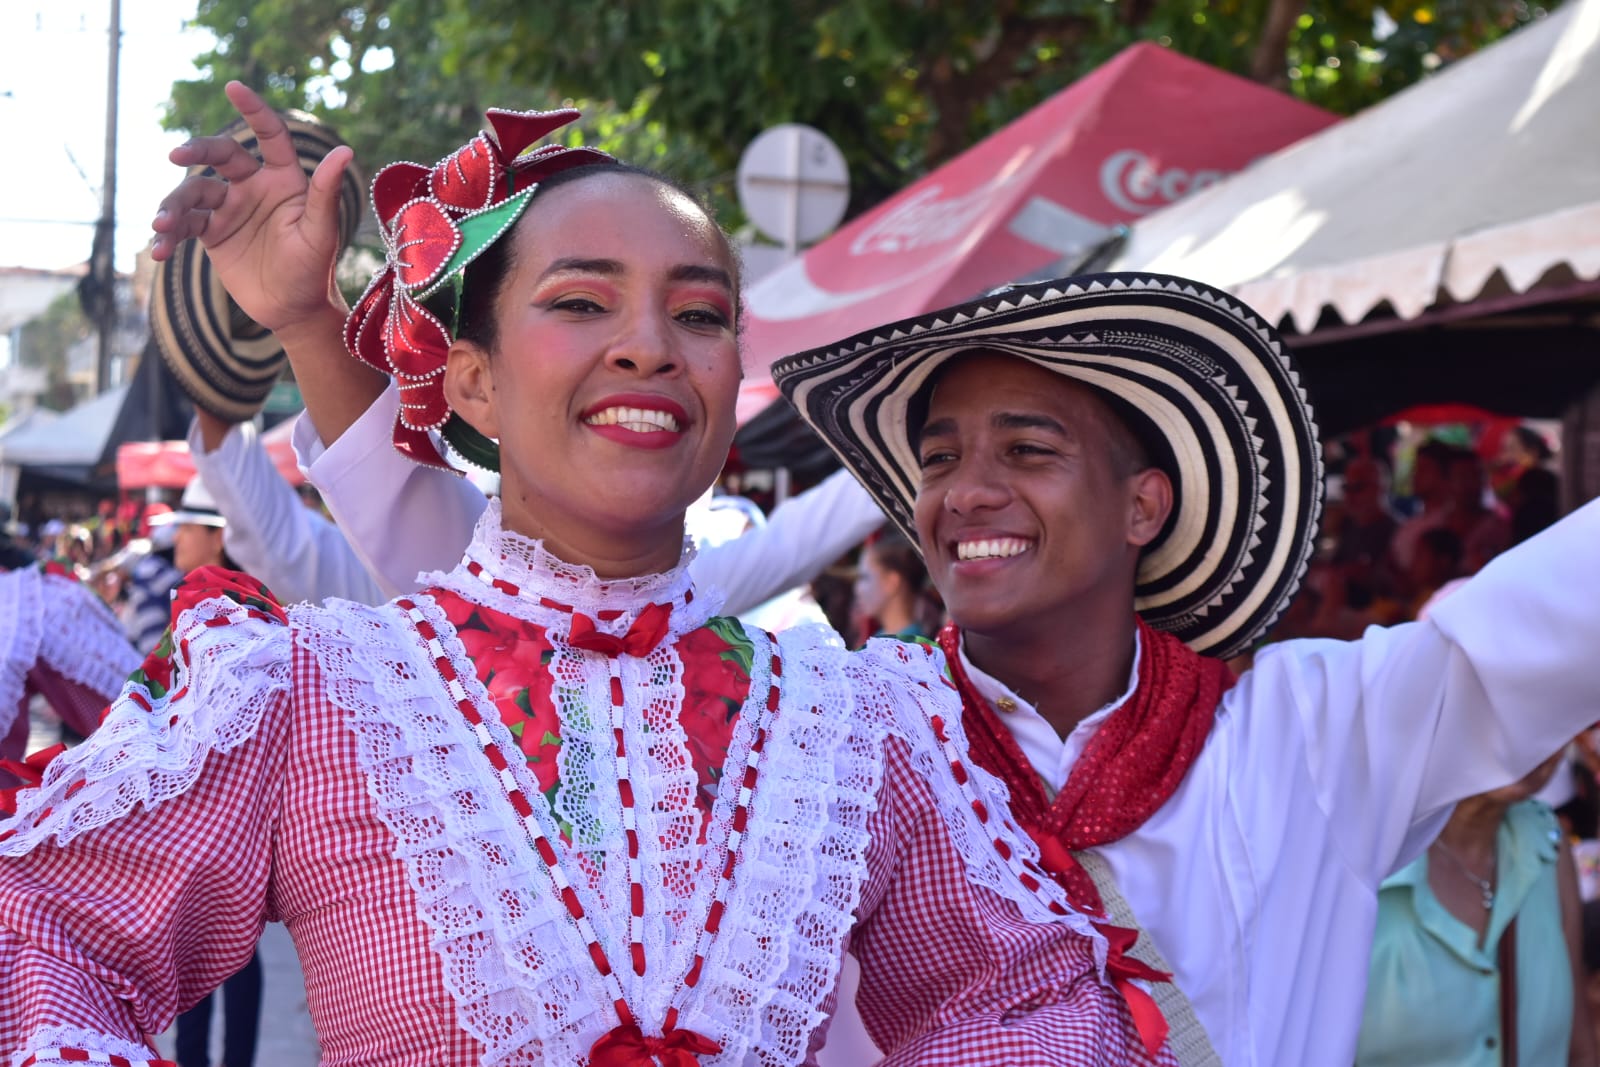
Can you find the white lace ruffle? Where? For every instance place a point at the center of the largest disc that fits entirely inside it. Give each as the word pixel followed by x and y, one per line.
pixel 802 867
pixel 526 564
pixel 81 639
pixel 905 683
pixel 518 988
pixel 21 609
pixel 46 1045
pixel 141 757
pixel 524 986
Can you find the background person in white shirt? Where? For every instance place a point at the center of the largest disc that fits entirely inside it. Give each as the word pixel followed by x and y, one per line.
pixel 1095 465
pixel 295 551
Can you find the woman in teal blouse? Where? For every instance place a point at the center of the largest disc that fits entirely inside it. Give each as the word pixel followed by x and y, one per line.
pixel 1433 992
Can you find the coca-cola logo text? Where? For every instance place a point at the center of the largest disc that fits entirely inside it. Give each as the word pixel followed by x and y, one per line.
pixel 924 219
pixel 1131 181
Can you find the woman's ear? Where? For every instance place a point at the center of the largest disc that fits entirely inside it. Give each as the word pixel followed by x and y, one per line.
pixel 1150 504
pixel 469 387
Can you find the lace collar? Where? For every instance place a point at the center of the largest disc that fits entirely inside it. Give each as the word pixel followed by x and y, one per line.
pixel 516 575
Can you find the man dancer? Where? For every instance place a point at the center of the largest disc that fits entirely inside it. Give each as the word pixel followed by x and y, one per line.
pixel 1115 483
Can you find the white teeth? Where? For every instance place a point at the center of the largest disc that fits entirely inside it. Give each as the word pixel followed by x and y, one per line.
pixel 639 420
pixel 993 548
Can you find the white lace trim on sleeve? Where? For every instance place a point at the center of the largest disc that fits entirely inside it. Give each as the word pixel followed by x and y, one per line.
pixel 21 609
pixel 81 640
pixel 228 666
pixel 904 685
pixel 74 1044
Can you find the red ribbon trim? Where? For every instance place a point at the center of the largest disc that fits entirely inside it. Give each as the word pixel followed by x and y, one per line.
pixel 30 770
pixel 627 1046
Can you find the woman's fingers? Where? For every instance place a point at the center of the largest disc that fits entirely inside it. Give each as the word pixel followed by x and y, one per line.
pixel 177 230
pixel 322 203
pixel 193 193
pixel 272 136
pixel 219 152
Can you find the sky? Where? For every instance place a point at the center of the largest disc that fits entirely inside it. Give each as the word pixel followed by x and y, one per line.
pixel 53 59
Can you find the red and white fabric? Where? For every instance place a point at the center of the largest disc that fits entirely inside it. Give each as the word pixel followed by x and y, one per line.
pixel 60 640
pixel 321 774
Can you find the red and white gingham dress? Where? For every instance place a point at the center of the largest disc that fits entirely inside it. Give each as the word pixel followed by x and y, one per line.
pixel 318 774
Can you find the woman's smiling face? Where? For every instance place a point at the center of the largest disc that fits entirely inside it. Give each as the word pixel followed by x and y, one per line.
pixel 614 370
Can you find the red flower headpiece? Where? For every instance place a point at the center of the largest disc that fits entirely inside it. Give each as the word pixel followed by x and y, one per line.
pixel 434 222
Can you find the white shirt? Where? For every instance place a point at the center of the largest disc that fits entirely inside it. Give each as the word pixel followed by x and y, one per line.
pixel 296 552
pixel 1050 756
pixel 1332 764
pixel 403 518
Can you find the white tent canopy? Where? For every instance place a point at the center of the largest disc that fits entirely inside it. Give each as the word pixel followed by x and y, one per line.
pixel 76 438
pixel 1490 167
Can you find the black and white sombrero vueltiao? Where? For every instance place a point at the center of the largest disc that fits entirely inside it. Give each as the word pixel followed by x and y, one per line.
pixel 1206 382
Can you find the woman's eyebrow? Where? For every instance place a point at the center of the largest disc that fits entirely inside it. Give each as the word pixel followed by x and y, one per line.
pixel 684 272
pixel 581 265
pixel 696 272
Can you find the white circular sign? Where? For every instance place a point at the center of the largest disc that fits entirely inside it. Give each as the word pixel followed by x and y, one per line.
pixel 793 183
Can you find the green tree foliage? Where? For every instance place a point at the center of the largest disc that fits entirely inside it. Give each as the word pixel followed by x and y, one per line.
pixel 683 85
pixel 44 344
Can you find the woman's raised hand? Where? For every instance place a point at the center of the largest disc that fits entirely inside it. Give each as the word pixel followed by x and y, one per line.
pixel 272 236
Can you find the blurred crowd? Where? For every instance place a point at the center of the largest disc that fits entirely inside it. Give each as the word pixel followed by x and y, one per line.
pixel 1401 524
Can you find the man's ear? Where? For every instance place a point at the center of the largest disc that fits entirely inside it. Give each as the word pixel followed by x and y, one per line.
pixel 469 387
pixel 1149 504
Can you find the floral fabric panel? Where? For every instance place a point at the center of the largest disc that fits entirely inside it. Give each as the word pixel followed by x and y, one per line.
pixel 512 657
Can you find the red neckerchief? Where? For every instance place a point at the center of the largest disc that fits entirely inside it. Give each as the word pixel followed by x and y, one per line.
pixel 1131 766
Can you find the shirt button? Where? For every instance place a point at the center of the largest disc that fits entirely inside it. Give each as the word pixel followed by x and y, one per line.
pixel 1489 1042
pixel 1006 704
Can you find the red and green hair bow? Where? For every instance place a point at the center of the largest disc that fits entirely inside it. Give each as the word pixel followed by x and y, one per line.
pixel 434 221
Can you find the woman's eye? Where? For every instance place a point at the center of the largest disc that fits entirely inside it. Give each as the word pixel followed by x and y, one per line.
pixel 703 317
pixel 934 458
pixel 577 303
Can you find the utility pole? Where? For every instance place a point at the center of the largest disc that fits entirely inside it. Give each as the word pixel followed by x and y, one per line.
pixel 102 260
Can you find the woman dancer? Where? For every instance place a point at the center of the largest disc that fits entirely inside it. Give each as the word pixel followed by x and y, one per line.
pixel 553 809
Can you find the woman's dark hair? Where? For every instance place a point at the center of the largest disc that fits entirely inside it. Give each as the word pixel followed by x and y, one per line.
pixel 892 551
pixel 481 281
pixel 1533 443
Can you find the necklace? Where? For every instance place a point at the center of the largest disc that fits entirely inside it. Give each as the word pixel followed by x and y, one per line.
pixel 1485 885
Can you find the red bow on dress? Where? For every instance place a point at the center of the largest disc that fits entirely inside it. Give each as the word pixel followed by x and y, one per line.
pixel 30 770
pixel 627 1046
pixel 640 640
pixel 1120 966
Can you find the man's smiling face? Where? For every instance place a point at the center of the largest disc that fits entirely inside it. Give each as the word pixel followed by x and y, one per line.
pixel 1029 509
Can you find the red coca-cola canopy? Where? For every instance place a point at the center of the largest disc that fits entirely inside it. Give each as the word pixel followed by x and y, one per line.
pixel 167 464
pixel 1140 132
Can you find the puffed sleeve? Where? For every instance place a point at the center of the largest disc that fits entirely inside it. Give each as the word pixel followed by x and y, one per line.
pixel 969 952
pixel 134 873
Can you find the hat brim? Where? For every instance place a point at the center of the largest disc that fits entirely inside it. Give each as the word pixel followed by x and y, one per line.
pixel 187 518
pixel 1211 381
